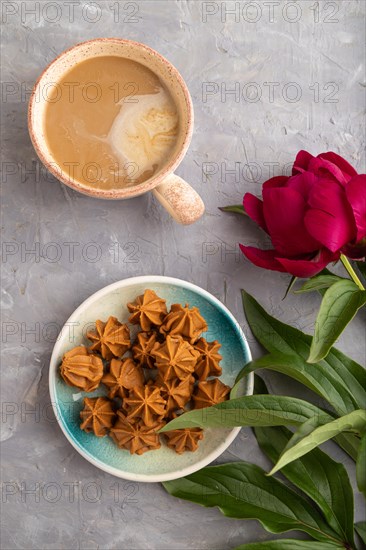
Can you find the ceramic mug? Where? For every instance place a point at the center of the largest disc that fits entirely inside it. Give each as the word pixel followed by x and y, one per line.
pixel 176 195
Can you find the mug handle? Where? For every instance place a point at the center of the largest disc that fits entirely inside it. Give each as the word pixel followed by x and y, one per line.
pixel 180 199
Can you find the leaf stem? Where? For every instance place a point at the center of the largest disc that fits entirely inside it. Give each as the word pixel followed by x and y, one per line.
pixel 347 264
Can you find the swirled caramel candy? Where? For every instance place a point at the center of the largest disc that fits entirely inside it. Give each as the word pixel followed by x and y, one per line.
pixel 97 416
pixel 111 339
pixel 135 436
pixel 210 392
pixel 209 359
pixel 81 369
pixel 184 321
pixel 141 351
pixel 176 392
pixel 123 375
pixel 145 403
pixel 148 310
pixel 184 440
pixel 175 358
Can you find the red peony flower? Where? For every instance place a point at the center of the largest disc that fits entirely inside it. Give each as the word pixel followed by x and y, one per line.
pixel 312 217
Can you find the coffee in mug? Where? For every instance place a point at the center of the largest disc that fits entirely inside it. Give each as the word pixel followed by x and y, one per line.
pixel 113 119
pixel 111 123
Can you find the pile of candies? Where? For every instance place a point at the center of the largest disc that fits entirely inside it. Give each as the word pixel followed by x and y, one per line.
pixel 168 369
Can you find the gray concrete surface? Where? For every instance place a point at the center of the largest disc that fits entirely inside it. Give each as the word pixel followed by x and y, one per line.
pixel 297 70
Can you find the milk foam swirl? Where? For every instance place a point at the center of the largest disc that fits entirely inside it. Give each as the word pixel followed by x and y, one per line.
pixel 145 130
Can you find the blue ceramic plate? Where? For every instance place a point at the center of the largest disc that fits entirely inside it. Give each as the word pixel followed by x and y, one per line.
pixel 163 464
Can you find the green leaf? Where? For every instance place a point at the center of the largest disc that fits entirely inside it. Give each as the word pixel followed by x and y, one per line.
pixel 307 438
pixel 242 388
pixel 249 410
pixel 290 286
pixel 353 373
pixel 278 337
pixel 322 479
pixel 319 282
pixel 260 387
pixel 360 268
pixel 290 544
pixel 242 490
pixel 350 443
pixel 339 305
pixel 361 466
pixel 284 339
pixel 361 265
pixel 318 378
pixel 235 208
pixel 360 527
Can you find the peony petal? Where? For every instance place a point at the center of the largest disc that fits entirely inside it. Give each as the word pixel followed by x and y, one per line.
pixel 339 161
pixel 284 210
pixel 326 165
pixel 262 258
pixel 302 183
pixel 330 218
pixel 355 252
pixel 308 268
pixel 254 208
pixel 327 170
pixel 297 267
pixel 277 181
pixel 301 162
pixel 356 195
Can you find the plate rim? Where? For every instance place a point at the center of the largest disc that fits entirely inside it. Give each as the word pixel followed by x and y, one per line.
pixel 146 478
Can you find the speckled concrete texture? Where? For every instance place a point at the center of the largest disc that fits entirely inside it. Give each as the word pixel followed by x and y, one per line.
pixel 267 79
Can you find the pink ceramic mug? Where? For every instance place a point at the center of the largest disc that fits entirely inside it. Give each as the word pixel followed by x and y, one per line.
pixel 176 195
